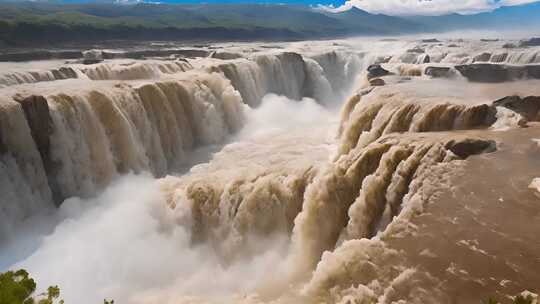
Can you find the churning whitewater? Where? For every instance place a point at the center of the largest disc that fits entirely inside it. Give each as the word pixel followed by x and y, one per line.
pixel 347 171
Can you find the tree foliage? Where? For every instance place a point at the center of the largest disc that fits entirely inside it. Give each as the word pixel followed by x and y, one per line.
pixel 17 287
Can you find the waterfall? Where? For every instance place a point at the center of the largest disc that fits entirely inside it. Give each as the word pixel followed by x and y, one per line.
pixel 119 70
pixel 74 143
pixel 326 77
pixel 23 180
pixel 75 139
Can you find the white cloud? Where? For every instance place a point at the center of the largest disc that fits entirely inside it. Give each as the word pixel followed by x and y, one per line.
pixel 516 2
pixel 427 7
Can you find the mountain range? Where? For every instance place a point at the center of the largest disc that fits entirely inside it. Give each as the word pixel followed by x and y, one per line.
pixel 53 23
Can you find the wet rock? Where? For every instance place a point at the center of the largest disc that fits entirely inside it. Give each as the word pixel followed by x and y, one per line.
pixel 39 120
pixel 417 50
pixel 92 57
pixel 484 72
pixel 40 55
pixel 467 147
pixel 509 46
pixel 225 55
pixel 57 74
pixel 528 107
pixel 453 45
pixel 530 42
pixel 110 55
pixel 25 56
pixel 377 82
pixel 438 72
pixel 193 53
pixel 489 40
pixel 493 73
pixel 36 111
pixel 91 61
pixel 376 70
pixel 432 40
pixel 483 115
pixel 484 57
pixel 64 73
pixel 68 72
pixel 171 53
pixel 426 59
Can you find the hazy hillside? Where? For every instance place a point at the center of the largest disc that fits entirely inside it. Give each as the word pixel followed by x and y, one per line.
pixel 54 23
pixel 356 18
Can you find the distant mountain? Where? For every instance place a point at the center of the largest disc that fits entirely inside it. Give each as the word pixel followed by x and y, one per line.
pixel 355 17
pixel 35 23
pixel 57 22
pixel 525 17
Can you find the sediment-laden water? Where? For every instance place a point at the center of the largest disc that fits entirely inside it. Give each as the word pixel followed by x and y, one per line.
pixel 353 171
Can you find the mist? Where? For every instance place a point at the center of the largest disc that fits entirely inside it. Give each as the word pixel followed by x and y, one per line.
pixel 279 113
pixel 126 244
pixel 129 245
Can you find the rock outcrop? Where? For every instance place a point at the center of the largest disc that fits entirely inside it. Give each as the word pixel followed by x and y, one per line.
pixel 509 46
pixel 225 55
pixel 438 72
pixel 377 82
pixel 38 116
pixel 468 147
pixel 530 42
pixel 376 70
pixel 493 73
pixel 528 107
pixel 92 57
pixel 417 50
pixel 483 57
pixel 36 111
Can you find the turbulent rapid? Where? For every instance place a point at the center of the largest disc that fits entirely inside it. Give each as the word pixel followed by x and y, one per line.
pixel 348 171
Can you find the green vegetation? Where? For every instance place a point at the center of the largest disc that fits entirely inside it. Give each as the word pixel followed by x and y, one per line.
pixel 17 287
pixel 35 23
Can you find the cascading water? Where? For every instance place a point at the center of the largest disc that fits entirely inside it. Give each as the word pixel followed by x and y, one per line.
pixel 78 140
pixel 297 206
